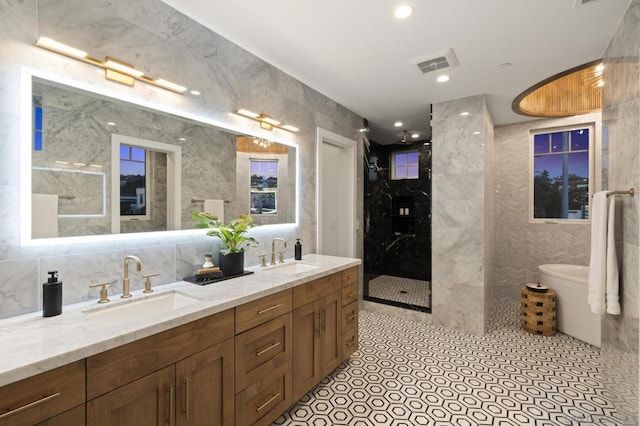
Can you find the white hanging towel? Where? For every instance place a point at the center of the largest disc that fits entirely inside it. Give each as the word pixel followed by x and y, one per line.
pixel 214 207
pixel 44 215
pixel 603 264
pixel 613 283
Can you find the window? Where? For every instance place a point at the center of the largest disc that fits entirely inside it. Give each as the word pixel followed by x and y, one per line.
pixel 133 182
pixel 264 186
pixel 404 165
pixel 38 136
pixel 561 171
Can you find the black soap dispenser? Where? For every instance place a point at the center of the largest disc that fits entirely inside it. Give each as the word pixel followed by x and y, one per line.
pixel 52 296
pixel 298 249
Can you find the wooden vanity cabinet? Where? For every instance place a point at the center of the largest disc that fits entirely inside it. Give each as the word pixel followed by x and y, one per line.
pixel 182 376
pixel 263 359
pixel 45 398
pixel 350 310
pixel 317 325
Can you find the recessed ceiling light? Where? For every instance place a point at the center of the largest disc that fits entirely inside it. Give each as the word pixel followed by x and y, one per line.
pixel 464 113
pixel 442 78
pixel 111 123
pixel 398 124
pixel 182 139
pixel 195 93
pixel 415 135
pixel 476 133
pixel 403 11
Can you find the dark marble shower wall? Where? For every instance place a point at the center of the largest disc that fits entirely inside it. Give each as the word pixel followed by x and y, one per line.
pixel 385 252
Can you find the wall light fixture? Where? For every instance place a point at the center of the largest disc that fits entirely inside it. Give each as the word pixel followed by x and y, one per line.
pixel 266 122
pixel 114 69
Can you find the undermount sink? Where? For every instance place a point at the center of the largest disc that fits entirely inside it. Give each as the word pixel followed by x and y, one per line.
pixel 293 268
pixel 134 309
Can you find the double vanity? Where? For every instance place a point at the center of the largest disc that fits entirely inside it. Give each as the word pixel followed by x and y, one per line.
pixel 239 351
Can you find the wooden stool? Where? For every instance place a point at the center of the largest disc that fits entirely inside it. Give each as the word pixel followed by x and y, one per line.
pixel 538 312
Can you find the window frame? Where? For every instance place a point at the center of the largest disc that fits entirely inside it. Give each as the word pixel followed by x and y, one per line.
pixel 592 127
pixel 392 163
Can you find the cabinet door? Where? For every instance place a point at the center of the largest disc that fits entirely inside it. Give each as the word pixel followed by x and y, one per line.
pixel 330 333
pixel 306 356
pixel 149 401
pixel 205 387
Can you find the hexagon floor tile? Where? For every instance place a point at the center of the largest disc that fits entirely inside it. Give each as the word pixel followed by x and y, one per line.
pixel 408 373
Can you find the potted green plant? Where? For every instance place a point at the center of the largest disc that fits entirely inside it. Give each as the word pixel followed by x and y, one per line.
pixel 233 238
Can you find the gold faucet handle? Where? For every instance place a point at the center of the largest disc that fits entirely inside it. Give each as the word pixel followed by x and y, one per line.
pixel 103 290
pixel 147 282
pixel 263 260
pixel 281 257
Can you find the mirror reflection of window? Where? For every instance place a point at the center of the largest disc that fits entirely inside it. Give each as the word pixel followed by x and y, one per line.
pixel 133 182
pixel 38 124
pixel 264 186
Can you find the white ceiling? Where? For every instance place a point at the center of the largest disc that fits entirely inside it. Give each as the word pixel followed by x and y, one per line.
pixel 356 52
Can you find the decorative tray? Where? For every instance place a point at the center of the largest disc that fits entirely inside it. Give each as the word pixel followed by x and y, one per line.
pixel 213 278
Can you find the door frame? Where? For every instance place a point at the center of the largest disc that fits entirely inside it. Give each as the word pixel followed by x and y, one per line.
pixel 349 145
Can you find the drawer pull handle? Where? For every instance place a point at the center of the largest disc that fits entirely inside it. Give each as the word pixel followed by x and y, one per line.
pixel 269 309
pixel 276 344
pixel 350 295
pixel 317 323
pixel 351 341
pixel 268 402
pixel 29 405
pixel 172 398
pixel 186 398
pixel 351 316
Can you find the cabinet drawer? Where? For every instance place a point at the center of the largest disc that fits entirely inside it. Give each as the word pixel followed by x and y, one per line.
pixel 350 276
pixel 116 367
pixel 264 401
pixel 350 317
pixel 262 310
pixel 261 350
pixel 73 417
pixel 311 291
pixel 33 400
pixel 349 343
pixel 349 293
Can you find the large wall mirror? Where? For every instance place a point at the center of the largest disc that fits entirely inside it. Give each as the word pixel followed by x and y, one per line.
pixel 96 166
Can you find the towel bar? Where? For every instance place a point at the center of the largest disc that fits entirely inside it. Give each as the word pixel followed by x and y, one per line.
pixel 631 192
pixel 201 200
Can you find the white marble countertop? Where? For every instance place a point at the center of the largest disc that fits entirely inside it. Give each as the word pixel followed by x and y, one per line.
pixel 31 344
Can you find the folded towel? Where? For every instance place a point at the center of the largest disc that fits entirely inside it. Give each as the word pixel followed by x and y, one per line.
pixel 597 265
pixel 603 289
pixel 214 207
pixel 613 287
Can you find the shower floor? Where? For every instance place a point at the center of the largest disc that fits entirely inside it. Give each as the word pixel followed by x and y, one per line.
pixel 401 290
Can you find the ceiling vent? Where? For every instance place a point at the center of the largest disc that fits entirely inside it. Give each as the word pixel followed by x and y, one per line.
pixel 583 2
pixel 436 61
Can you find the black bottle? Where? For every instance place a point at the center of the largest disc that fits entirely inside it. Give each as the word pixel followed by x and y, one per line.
pixel 298 249
pixel 52 296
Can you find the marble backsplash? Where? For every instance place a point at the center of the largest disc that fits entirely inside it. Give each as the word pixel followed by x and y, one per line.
pixel 165 44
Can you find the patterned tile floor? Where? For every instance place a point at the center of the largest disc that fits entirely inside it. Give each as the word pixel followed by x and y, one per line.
pixel 403 290
pixel 408 373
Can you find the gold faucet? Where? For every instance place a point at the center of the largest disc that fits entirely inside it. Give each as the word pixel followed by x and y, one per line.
pixel 125 281
pixel 273 250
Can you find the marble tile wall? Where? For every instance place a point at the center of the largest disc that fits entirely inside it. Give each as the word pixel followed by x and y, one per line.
pixel 520 246
pixel 621 120
pixel 166 44
pixel 459 217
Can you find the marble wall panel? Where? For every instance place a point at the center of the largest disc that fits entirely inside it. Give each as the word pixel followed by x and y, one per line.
pixel 520 246
pixel 459 218
pixel 164 44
